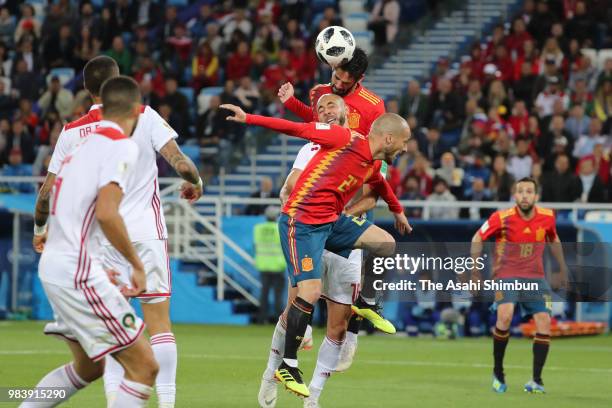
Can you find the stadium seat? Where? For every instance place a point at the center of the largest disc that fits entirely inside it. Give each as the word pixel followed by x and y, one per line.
pixel 188 92
pixel 603 56
pixel 204 97
pixel 64 75
pixel 192 151
pixel 591 53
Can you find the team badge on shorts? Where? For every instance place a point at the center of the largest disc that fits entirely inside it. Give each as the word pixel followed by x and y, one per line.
pixel 129 321
pixel 307 264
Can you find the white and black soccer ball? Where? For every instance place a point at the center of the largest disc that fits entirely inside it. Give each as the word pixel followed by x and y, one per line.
pixel 335 46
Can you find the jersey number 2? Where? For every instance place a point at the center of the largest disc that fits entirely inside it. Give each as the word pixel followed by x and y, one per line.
pixel 56 190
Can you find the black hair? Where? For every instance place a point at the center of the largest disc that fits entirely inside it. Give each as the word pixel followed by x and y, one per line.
pixel 97 71
pixel 119 94
pixel 529 180
pixel 358 65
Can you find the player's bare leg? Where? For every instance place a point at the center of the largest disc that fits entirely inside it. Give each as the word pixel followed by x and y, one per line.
pixel 140 370
pixel 156 314
pixel 298 317
pixel 541 345
pixel 338 316
pixel 71 377
pixel 501 334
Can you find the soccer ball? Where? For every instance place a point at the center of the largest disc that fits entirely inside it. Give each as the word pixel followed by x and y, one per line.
pixel 335 46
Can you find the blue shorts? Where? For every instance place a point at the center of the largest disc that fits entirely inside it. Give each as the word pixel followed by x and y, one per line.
pixel 530 302
pixel 346 231
pixel 303 246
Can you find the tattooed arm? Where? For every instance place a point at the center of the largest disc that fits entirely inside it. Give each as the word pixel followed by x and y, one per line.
pixel 193 187
pixel 41 213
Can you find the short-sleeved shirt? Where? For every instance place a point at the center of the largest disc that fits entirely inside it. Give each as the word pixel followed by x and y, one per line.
pixel 74 241
pixel 141 207
pixel 520 243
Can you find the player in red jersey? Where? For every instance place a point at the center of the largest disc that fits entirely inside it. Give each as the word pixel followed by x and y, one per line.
pixel 521 234
pixel 344 163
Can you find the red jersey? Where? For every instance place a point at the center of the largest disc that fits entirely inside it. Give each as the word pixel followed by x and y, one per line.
pixel 363 106
pixel 520 243
pixel 333 176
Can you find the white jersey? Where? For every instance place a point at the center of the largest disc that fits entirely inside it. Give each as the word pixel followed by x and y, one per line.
pixel 75 238
pixel 141 207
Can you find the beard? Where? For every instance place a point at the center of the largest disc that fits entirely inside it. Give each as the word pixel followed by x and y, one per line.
pixel 340 92
pixel 526 208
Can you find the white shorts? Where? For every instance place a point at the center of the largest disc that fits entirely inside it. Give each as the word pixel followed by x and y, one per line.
pixel 341 277
pixel 154 256
pixel 98 317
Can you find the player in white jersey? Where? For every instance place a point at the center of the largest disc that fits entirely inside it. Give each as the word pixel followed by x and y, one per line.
pixel 91 313
pixel 341 281
pixel 144 218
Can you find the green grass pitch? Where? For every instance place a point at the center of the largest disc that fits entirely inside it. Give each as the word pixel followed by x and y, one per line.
pixel 221 366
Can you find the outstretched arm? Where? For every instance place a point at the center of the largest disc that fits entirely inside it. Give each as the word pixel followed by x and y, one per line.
pixel 320 133
pixel 286 96
pixel 193 186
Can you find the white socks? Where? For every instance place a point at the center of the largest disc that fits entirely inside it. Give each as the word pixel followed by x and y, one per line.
pixel 62 377
pixel 277 349
pixel 327 360
pixel 164 349
pixel 132 395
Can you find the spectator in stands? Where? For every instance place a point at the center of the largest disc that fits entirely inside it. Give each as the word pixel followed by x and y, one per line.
pixel 519 165
pixel 384 21
pixel 517 38
pixel 442 72
pixel 441 193
pixel 474 92
pixel 497 38
pixel 497 97
pixel 578 123
pixel 582 25
pixel 151 72
pixel 411 191
pixel 198 25
pixel 528 11
pixel 28 25
pixel 582 70
pixel 121 54
pixel 88 47
pixel 545 100
pixel 449 172
pixel 561 185
pixel 432 147
pixel 7 26
pixel 445 108
pixel 15 167
pixel 477 192
pixel 266 42
pixel 21 139
pixel 181 44
pixel 5 129
pixel 603 100
pixel 605 73
pixel 586 143
pixel 580 95
pixel 238 21
pixel 503 62
pixel 332 17
pixel 29 54
pixel 149 97
pixel 180 118
pixel 170 21
pixel 8 103
pixel 461 82
pixel 554 140
pixel 524 87
pixel 277 74
pixel 56 98
pixel 266 190
pixel 414 103
pixel 501 181
pixel 239 62
pixel 422 171
pixel 392 106
pixel 214 38
pixel 519 119
pixel 204 67
pixel 304 63
pixel 602 166
pixel 540 23
pixel 593 189
pixel 247 94
pixel 59 48
pixel 105 28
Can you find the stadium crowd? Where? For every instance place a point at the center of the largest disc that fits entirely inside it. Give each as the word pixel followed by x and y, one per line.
pixel 527 102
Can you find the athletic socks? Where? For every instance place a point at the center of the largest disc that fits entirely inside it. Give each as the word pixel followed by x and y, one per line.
pixel 327 360
pixel 541 344
pixel 132 395
pixel 164 349
pixel 297 320
pixel 62 377
pixel 277 348
pixel 500 341
pixel 113 375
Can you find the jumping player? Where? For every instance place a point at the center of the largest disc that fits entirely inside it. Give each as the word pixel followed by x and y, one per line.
pixel 308 223
pixel 91 314
pixel 521 233
pixel 142 211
